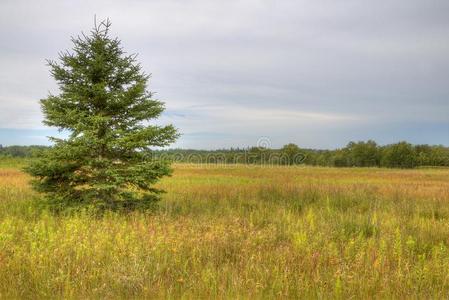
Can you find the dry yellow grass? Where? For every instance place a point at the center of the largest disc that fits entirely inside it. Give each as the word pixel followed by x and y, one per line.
pixel 239 231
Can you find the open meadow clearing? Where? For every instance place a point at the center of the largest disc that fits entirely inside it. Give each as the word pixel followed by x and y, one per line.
pixel 228 231
pixel 282 149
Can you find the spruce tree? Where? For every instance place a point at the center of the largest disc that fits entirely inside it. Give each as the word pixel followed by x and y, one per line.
pixel 105 107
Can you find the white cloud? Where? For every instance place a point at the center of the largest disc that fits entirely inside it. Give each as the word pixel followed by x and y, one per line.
pixel 316 71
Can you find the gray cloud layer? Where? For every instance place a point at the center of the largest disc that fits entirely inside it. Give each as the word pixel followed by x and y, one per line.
pixel 318 73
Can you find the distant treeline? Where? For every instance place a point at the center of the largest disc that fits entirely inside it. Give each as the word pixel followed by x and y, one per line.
pixel 355 154
pixel 20 151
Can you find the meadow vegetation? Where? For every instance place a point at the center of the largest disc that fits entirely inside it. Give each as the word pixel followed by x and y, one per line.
pixel 237 231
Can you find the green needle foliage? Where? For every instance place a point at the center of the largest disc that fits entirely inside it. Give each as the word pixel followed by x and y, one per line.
pixel 105 106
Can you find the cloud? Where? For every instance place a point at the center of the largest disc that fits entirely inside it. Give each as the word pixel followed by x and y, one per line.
pixel 317 73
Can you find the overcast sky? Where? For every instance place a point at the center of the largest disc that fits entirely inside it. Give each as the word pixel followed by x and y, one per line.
pixel 316 73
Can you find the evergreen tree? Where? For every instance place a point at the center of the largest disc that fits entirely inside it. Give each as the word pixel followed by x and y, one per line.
pixel 105 107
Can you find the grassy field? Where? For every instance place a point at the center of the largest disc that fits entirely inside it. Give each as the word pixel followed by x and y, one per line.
pixel 241 231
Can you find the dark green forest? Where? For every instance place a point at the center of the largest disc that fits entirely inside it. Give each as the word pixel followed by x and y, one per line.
pixel 355 154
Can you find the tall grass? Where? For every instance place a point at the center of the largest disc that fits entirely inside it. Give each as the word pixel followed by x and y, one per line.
pixel 238 231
